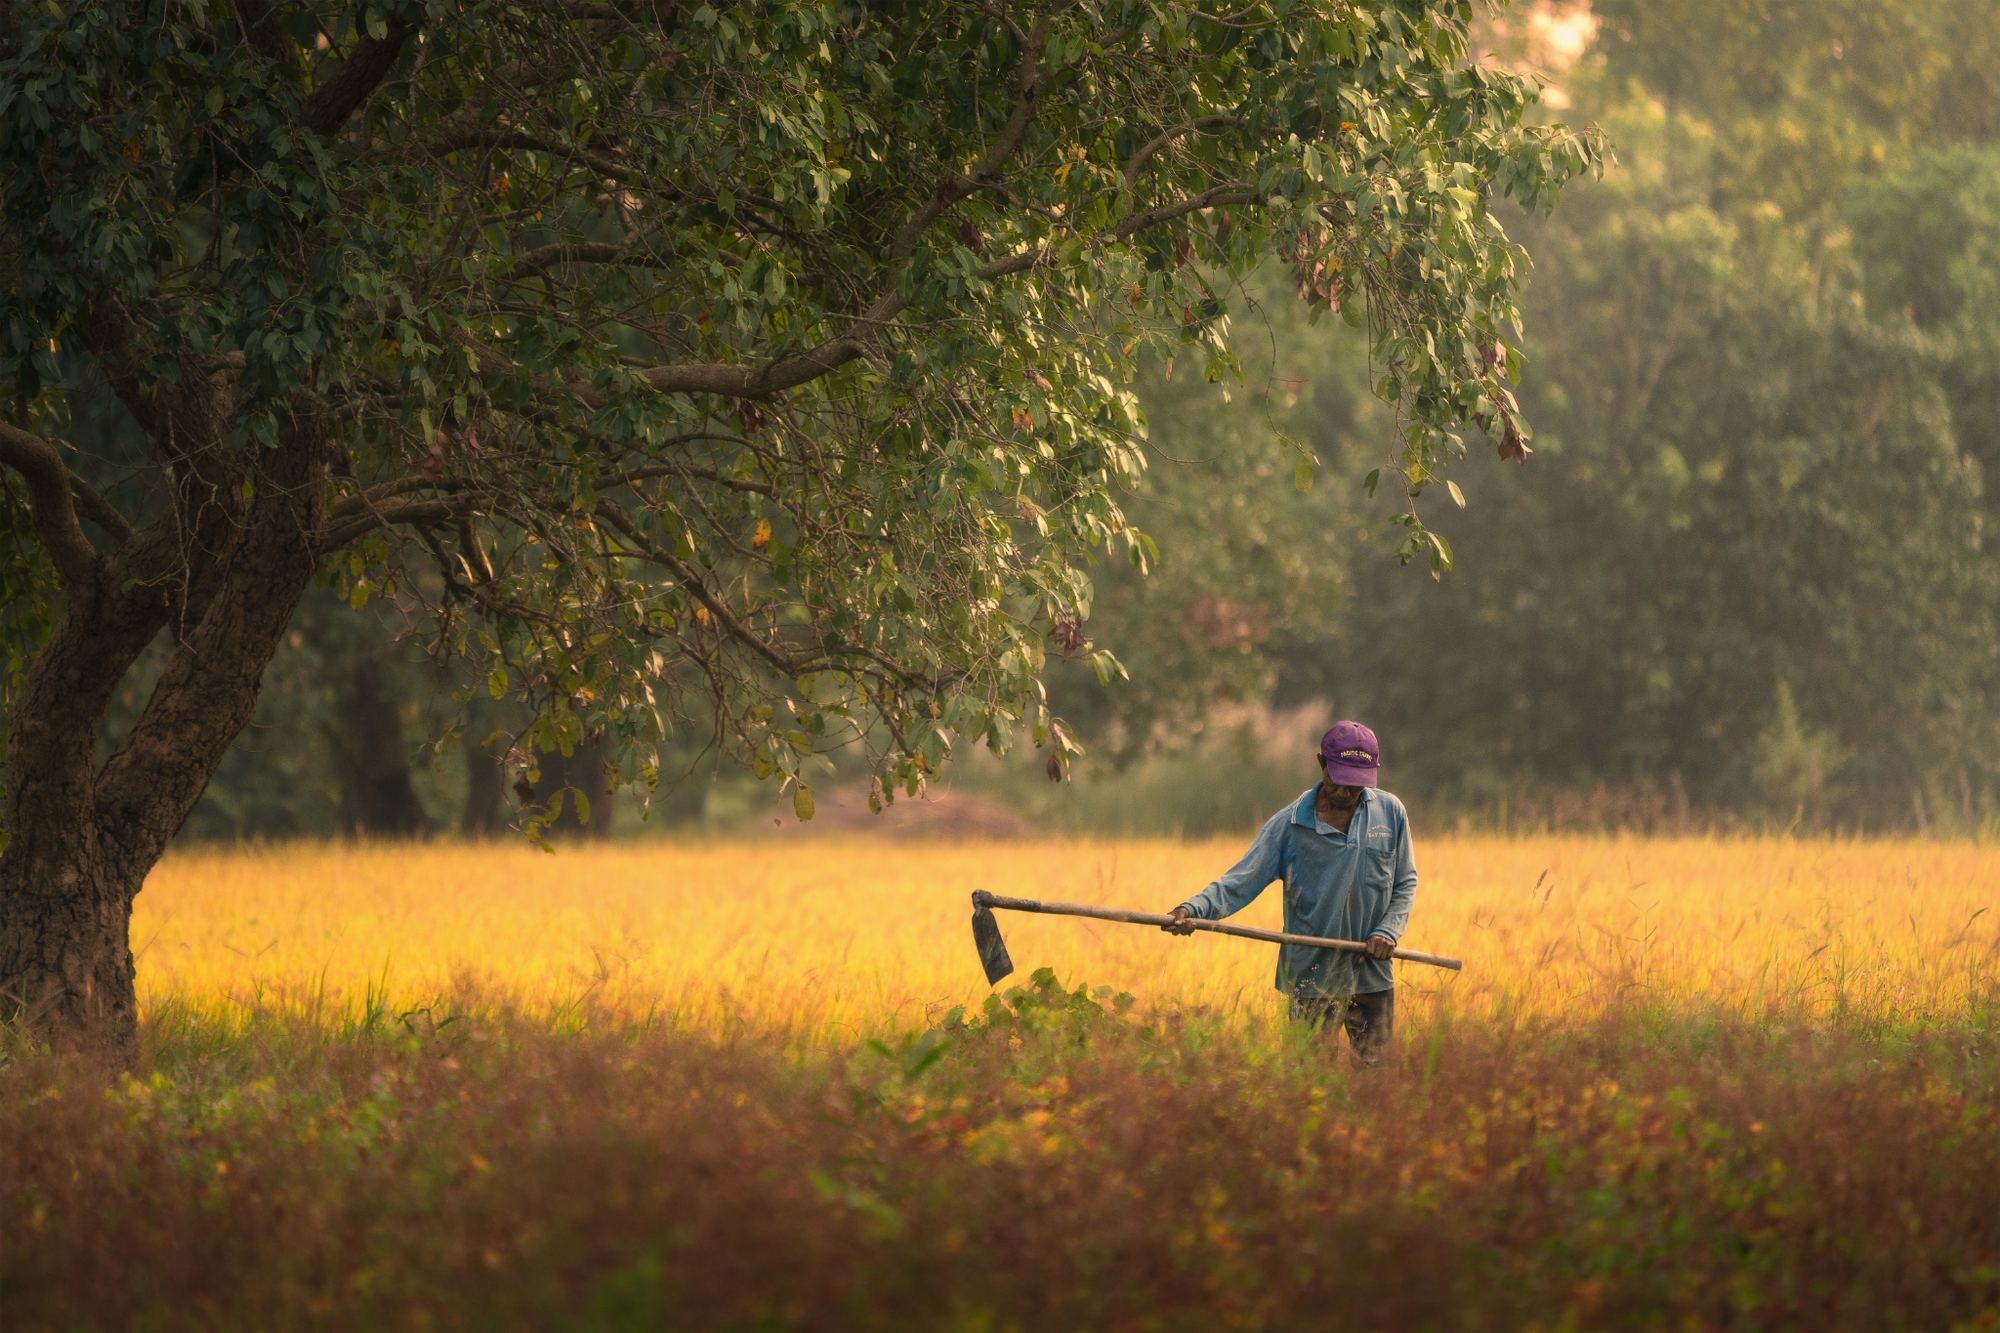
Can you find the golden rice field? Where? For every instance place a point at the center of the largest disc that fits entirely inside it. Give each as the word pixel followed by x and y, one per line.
pixel 840 938
pixel 1680 1084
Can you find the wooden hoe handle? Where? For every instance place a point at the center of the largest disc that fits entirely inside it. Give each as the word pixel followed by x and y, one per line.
pixel 984 899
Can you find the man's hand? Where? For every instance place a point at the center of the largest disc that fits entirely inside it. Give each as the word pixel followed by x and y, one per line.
pixel 1380 946
pixel 1182 924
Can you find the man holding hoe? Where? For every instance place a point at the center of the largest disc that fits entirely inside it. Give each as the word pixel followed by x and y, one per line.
pixel 1343 851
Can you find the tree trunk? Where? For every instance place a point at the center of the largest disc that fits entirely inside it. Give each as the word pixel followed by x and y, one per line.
pixel 372 762
pixel 582 771
pixel 223 569
pixel 485 791
pixel 65 895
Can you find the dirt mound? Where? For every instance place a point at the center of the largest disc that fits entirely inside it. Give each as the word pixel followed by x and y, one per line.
pixel 938 813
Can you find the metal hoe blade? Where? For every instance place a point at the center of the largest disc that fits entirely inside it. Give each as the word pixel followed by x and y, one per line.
pixel 992 949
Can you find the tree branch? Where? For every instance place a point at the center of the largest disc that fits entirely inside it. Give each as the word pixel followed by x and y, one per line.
pixel 987 169
pixel 415 511
pixel 98 509
pixel 776 377
pixel 760 381
pixel 691 579
pixel 542 259
pixel 1140 158
pixel 53 505
pixel 1019 262
pixel 1220 196
pixel 358 76
pixel 603 166
pixel 883 660
pixel 651 470
pixel 347 506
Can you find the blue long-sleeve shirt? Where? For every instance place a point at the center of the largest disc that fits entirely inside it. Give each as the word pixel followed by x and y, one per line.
pixel 1342 886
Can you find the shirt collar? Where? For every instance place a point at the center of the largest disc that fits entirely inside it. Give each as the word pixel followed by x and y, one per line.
pixel 1304 817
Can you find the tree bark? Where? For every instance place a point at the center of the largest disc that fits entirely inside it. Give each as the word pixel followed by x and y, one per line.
pixel 485 791
pixel 582 771
pixel 223 569
pixel 65 900
pixel 372 761
pixel 485 794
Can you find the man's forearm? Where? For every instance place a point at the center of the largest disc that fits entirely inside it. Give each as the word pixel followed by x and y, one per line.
pixel 1205 905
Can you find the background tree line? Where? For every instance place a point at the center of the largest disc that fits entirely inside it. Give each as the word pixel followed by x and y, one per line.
pixel 1743 576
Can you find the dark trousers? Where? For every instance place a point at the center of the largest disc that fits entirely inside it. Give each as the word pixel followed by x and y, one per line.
pixel 1370 1019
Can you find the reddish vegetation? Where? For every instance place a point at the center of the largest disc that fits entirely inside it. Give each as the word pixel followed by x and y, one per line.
pixel 1075 1171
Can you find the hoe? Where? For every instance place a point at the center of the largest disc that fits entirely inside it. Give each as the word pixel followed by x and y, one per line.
pixel 993 949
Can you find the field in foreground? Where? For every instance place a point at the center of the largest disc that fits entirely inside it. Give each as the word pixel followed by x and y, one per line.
pixel 1680 1084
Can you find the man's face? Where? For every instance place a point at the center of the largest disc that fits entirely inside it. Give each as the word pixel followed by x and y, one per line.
pixel 1340 798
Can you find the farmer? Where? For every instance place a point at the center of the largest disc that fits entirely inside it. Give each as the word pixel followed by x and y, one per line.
pixel 1343 850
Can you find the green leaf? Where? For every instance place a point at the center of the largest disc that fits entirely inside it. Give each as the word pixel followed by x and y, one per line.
pixel 802 802
pixel 496 683
pixel 1302 476
pixel 1372 480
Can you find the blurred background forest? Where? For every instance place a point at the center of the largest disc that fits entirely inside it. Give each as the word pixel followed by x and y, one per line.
pixel 1741 583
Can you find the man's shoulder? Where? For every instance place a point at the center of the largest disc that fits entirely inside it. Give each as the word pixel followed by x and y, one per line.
pixel 1392 805
pixel 1297 810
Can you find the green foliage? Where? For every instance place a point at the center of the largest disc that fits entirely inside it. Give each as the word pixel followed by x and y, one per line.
pixel 1793 764
pixel 1764 369
pixel 1802 95
pixel 1927 240
pixel 1224 777
pixel 1044 1004
pixel 1746 473
pixel 1249 565
pixel 768 365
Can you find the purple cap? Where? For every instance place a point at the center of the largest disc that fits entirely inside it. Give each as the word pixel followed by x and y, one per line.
pixel 1351 755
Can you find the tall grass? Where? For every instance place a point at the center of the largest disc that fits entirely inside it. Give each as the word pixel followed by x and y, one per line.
pixel 838 940
pixel 1680 1084
pixel 1054 1166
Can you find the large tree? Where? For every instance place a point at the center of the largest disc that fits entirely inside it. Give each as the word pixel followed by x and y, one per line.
pixel 762 365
